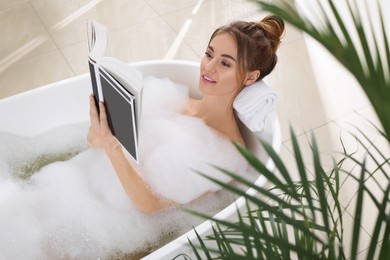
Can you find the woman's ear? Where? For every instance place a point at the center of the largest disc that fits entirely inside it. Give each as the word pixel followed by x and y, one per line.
pixel 252 77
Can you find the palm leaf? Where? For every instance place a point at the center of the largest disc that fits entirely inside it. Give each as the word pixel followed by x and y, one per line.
pixel 202 246
pixel 302 171
pixel 261 167
pixel 319 173
pixel 355 53
pixel 358 214
pixel 382 217
pixel 265 233
pixel 273 221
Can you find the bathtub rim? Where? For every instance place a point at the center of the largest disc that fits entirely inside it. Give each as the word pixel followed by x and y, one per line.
pixel 181 241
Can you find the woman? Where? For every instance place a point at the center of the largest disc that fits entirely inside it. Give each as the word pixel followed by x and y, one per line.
pixel 237 55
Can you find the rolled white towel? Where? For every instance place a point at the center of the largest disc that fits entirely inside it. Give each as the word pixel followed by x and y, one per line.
pixel 253 104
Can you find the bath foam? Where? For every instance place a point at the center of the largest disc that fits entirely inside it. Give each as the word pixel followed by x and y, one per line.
pixel 21 154
pixel 77 208
pixel 174 146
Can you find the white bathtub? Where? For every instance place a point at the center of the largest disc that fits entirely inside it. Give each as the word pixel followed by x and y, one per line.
pixel 66 102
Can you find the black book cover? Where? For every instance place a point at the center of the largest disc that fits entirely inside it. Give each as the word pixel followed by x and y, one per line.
pixel 120 112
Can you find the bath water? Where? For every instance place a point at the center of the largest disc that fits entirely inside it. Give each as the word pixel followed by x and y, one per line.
pixel 59 199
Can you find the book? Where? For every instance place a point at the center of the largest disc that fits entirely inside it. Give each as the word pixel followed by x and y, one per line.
pixel 119 86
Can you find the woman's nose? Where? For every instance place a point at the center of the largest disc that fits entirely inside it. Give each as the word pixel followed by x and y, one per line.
pixel 210 66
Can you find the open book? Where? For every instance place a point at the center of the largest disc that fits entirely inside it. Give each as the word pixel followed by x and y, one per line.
pixel 119 86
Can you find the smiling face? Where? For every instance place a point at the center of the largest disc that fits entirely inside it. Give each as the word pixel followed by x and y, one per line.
pixel 219 67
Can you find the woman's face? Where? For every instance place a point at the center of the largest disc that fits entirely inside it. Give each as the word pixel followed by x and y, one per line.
pixel 218 69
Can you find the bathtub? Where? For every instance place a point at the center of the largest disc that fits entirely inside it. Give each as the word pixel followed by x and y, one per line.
pixel 66 102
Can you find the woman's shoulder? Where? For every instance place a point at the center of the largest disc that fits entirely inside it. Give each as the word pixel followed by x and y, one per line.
pixel 234 135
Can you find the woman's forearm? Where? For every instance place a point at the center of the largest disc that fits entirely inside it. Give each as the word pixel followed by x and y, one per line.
pixel 100 136
pixel 135 186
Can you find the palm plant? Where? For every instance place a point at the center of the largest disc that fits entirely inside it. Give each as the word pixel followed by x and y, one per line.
pixel 303 219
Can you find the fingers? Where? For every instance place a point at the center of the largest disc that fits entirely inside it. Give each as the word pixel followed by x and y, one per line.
pixel 93 113
pixel 103 116
pixel 104 127
pixel 100 135
pixel 98 120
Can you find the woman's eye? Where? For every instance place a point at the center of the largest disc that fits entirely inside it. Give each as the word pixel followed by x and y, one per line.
pixel 225 64
pixel 208 55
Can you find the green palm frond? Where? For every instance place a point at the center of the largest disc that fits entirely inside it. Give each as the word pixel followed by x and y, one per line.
pixel 289 205
pixel 362 47
pixel 307 224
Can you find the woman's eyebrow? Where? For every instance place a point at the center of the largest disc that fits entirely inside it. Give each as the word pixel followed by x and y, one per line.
pixel 228 56
pixel 223 55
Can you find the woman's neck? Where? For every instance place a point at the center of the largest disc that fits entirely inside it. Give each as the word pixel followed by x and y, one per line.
pixel 210 108
pixel 216 112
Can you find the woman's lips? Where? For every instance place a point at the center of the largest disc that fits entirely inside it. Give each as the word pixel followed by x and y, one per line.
pixel 208 79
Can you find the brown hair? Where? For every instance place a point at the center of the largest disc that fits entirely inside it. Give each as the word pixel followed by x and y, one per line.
pixel 256 43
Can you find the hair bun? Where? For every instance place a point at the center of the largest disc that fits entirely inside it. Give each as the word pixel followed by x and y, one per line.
pixel 273 27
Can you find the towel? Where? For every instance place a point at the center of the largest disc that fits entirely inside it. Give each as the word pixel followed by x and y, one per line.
pixel 253 104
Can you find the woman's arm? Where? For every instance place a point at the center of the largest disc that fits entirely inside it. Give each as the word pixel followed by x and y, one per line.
pixel 100 136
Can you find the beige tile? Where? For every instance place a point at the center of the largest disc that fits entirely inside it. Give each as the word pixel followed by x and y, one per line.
pixel 292 34
pixel 66 20
pixel 355 125
pixel 328 140
pixel 198 26
pixel 299 102
pixel 359 132
pixel 328 144
pixel 10 3
pixel 77 57
pixel 364 117
pixel 337 87
pixel 289 160
pixel 376 184
pixel 335 136
pixel 364 238
pixel 163 6
pixel 117 14
pixel 370 211
pixel 24 36
pixel 238 10
pixel 154 40
pixel 363 253
pixel 194 29
pixel 34 72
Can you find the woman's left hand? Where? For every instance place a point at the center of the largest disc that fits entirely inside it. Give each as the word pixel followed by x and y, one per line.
pixel 99 134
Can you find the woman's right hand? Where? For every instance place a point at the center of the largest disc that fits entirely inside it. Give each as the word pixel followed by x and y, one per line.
pixel 99 134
